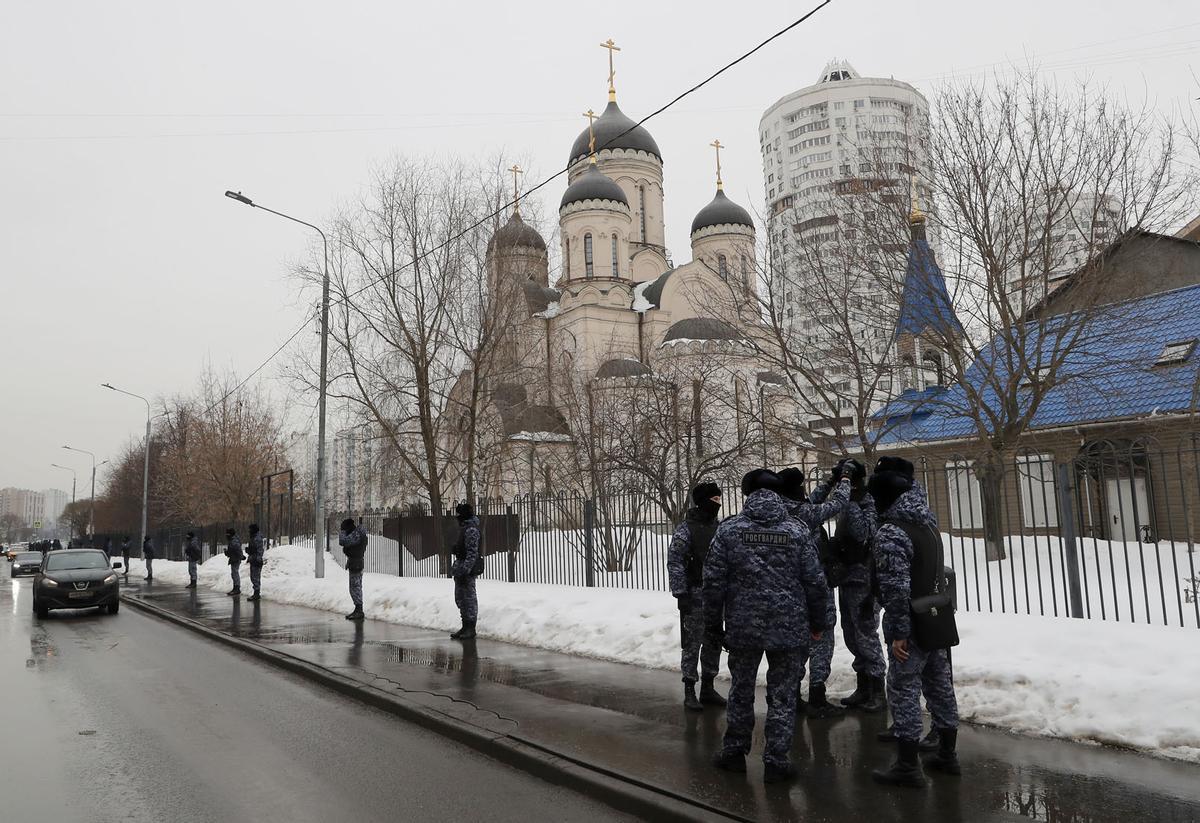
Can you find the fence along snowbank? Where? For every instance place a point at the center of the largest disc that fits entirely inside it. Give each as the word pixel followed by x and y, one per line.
pixel 1085 680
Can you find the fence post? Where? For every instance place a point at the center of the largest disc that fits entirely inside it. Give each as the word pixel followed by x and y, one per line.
pixel 400 544
pixel 508 541
pixel 589 541
pixel 1066 519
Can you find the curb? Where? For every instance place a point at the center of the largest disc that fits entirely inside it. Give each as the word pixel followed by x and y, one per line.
pixel 622 792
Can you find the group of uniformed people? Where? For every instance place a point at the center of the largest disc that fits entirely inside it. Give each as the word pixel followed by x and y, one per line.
pixel 761 583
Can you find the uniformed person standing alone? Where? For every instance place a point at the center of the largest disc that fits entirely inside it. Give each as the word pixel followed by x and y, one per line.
pixel 353 540
pixel 763 579
pixel 191 551
pixel 918 621
pixel 685 568
pixel 148 557
pixel 233 550
pixel 125 554
pixel 811 511
pixel 467 565
pixel 254 555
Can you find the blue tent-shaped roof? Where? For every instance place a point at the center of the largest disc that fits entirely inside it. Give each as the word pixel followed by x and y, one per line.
pixel 925 304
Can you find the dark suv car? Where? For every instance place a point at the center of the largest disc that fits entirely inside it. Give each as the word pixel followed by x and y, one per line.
pixel 76 579
pixel 26 563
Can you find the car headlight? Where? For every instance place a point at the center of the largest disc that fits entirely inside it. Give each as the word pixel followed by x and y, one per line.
pixel 112 578
pixel 46 581
pixel 16 565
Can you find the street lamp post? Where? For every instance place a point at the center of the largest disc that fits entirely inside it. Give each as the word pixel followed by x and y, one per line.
pixel 320 536
pixel 92 504
pixel 146 459
pixel 74 477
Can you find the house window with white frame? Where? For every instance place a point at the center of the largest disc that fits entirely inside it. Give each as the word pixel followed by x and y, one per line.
pixel 966 496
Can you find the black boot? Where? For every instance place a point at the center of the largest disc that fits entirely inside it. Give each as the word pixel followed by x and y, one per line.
pixel 929 743
pixel 468 630
pixel 906 771
pixel 730 761
pixel 709 695
pixel 877 699
pixel 234 592
pixel 861 692
pixel 357 614
pixel 778 772
pixel 461 629
pixel 689 697
pixel 256 596
pixel 191 585
pixel 888 735
pixel 946 759
pixel 818 707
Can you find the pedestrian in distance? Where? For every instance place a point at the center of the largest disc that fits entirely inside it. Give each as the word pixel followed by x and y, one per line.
pixel 685 569
pixel 191 551
pixel 467 565
pixel 765 594
pixel 107 546
pixel 148 557
pixel 254 556
pixel 125 554
pixel 811 511
pixel 233 550
pixel 918 622
pixel 353 540
pixel 55 545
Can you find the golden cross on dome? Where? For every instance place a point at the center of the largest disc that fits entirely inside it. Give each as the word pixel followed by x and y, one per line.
pixel 916 215
pixel 591 115
pixel 612 72
pixel 516 192
pixel 717 145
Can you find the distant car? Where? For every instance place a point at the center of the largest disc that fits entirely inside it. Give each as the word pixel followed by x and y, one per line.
pixel 26 563
pixel 15 549
pixel 76 579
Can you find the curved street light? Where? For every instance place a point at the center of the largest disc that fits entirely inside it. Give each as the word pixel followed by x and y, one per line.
pixel 146 458
pixel 92 504
pixel 74 477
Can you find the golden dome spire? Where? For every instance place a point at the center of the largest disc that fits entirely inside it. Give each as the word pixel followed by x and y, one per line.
pixel 612 72
pixel 591 115
pixel 717 146
pixel 515 169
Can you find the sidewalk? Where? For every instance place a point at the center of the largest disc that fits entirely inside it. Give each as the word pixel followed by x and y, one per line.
pixel 628 721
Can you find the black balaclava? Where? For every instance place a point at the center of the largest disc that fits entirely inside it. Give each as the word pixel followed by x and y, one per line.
pixel 464 511
pixel 793 484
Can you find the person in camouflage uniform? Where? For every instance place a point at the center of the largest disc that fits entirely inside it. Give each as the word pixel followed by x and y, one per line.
pixel 811 512
pixel 353 540
pixel 765 593
pixel 148 557
pixel 685 569
pixel 911 669
pixel 192 552
pixel 254 555
pixel 233 550
pixel 464 569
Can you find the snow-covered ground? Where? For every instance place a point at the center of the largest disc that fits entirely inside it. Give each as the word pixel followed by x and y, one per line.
pixel 1087 680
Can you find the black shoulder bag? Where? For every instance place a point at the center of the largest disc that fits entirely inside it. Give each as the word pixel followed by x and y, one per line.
pixel 933 601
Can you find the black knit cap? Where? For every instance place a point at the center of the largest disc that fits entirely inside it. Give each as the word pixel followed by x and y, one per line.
pixel 348 525
pixel 793 484
pixel 464 511
pixel 761 479
pixel 705 491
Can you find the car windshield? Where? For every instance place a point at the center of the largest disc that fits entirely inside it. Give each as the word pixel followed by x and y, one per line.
pixel 29 557
pixel 74 560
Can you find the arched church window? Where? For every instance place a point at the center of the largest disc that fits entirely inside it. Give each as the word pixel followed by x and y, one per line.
pixel 931 361
pixel 589 270
pixel 722 267
pixel 642 209
pixel 745 272
pixel 616 268
pixel 908 372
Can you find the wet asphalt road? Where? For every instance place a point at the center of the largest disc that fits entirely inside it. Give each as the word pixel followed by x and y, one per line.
pixel 628 720
pixel 129 718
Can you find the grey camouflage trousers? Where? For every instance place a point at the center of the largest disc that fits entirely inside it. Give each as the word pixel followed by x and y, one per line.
pixel 783 673
pixel 235 571
pixel 192 570
pixel 819 657
pixel 927 672
pixel 255 577
pixel 356 589
pixel 465 597
pixel 860 628
pixel 691 642
pixel 149 567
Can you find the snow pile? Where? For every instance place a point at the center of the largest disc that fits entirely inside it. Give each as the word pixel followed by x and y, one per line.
pixel 1087 680
pixel 640 304
pixel 552 310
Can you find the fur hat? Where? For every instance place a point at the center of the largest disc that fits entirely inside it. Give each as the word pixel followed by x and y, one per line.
pixel 761 479
pixel 253 528
pixel 886 487
pixel 890 463
pixel 230 532
pixel 705 491
pixel 464 511
pixel 793 484
pixel 348 525
pixel 191 534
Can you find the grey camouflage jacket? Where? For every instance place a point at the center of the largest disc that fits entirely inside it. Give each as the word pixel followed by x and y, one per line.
pixel 466 550
pixel 763 573
pixel 254 549
pixel 893 552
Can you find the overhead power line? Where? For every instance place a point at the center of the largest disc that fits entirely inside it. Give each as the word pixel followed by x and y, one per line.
pixel 505 207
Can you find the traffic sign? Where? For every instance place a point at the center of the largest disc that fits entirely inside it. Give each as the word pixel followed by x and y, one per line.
pixel 37 524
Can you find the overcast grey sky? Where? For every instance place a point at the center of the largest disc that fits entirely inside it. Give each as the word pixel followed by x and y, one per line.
pixel 122 123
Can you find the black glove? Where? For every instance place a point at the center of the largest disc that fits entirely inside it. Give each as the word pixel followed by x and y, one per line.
pixel 838 470
pixel 684 602
pixel 854 470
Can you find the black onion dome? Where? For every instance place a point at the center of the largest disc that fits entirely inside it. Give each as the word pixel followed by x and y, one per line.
pixel 701 328
pixel 612 132
pixel 516 232
pixel 593 184
pixel 721 211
